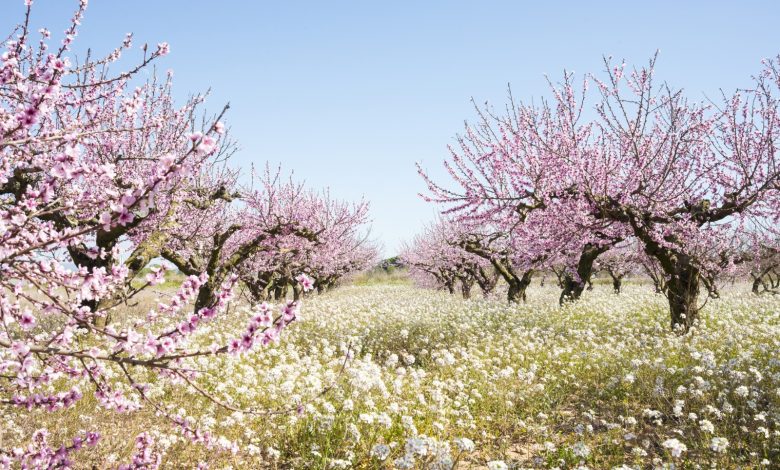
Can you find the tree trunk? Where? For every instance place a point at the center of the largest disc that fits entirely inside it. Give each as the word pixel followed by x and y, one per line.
pixel 517 286
pixel 486 282
pixel 280 291
pixel 764 282
pixel 205 297
pixel 617 280
pixel 450 287
pixel 756 285
pixel 572 288
pixel 617 283
pixel 297 291
pixel 682 291
pixel 465 288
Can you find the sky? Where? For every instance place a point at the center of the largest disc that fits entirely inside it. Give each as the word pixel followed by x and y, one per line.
pixel 350 95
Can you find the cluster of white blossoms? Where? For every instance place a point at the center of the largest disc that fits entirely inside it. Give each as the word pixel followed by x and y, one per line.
pixel 421 379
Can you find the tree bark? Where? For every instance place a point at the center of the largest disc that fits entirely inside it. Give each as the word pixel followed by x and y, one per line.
pixel 756 289
pixel 682 291
pixel 465 287
pixel 617 280
pixel 280 291
pixel 617 283
pixel 297 291
pixel 450 286
pixel 486 281
pixel 518 286
pixel 572 288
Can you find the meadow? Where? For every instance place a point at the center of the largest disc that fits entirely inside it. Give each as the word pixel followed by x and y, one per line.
pixel 386 375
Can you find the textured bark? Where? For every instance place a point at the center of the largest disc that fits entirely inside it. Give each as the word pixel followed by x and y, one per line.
pixel 518 286
pixel 766 281
pixel 617 283
pixel 260 288
pixel 297 291
pixel 503 266
pixel 683 292
pixel 450 286
pixel 465 287
pixel 572 288
pixel 486 281
pixel 617 280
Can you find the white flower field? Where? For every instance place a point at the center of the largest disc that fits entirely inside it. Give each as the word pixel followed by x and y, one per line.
pixel 391 376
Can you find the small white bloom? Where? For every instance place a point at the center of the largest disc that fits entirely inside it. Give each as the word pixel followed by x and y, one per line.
pixel 464 444
pixel 706 426
pixel 497 465
pixel 380 451
pixel 675 447
pixel 719 444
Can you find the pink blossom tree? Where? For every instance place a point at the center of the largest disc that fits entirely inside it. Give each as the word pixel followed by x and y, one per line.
pixel 327 238
pixel 93 169
pixel 686 178
pixel 507 180
pixel 683 178
pixel 437 257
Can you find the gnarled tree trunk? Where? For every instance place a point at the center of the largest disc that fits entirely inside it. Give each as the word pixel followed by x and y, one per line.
pixel 466 284
pixel 518 286
pixel 617 280
pixel 756 285
pixel 486 281
pixel 572 288
pixel 617 283
pixel 682 290
pixel 450 286
pixel 297 291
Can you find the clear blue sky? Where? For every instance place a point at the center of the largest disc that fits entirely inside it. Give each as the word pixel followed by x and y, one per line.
pixel 351 94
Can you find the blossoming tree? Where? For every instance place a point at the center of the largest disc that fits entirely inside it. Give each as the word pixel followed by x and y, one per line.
pixel 683 178
pixel 686 178
pixel 101 175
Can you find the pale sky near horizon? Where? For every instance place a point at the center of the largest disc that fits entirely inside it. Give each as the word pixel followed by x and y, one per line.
pixel 349 95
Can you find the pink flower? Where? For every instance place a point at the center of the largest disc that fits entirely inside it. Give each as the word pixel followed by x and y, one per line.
pixel 27 320
pixel 305 281
pixel 92 439
pixel 127 200
pixel 157 276
pixel 207 145
pixel 167 161
pixel 163 48
pixel 125 217
pixel 105 221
